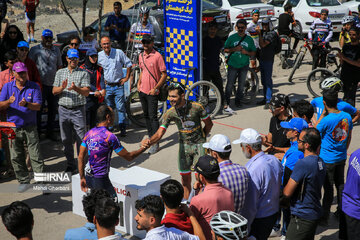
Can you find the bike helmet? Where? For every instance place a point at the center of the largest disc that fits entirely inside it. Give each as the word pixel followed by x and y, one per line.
pixel 229 225
pixel 144 9
pixel 331 83
pixel 347 19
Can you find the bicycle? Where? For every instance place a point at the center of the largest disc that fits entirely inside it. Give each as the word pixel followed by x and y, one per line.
pixel 316 77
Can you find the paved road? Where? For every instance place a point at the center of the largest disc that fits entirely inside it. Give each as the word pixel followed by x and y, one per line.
pixel 53 212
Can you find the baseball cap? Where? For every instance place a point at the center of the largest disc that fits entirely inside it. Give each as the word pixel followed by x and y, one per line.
pixel 325 10
pixel 255 11
pixel 47 33
pixel 248 136
pixel 297 124
pixel 147 38
pixel 23 44
pixel 280 100
pixel 218 143
pixel 207 166
pixel 91 52
pixel 73 53
pixel 19 67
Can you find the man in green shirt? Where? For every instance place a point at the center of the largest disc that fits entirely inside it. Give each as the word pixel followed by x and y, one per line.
pixel 187 116
pixel 240 47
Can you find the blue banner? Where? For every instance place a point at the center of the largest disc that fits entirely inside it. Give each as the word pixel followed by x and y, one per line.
pixel 182 39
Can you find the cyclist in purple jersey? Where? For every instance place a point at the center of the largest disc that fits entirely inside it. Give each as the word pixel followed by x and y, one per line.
pixel 100 142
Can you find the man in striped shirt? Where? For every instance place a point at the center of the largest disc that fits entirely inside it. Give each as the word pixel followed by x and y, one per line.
pixel 232 175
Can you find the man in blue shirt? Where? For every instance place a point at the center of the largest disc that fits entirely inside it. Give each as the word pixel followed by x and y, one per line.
pixel 117 25
pixel 262 198
pixel 292 129
pixel 335 128
pixel 22 99
pixel 304 188
pixel 112 61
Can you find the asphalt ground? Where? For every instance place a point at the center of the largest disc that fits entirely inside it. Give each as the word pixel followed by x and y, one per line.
pixel 53 212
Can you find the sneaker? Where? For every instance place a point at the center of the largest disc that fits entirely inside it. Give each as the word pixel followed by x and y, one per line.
pixel 23 187
pixel 275 233
pixel 154 148
pixel 229 110
pixel 283 237
pixel 29 40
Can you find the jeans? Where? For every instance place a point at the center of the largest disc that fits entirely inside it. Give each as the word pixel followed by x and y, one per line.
pixel 352 227
pixel 215 77
pixel 286 220
pixel 301 229
pixel 149 104
pixel 28 135
pixel 261 227
pixel 266 70
pixel 72 123
pixel 115 98
pixel 318 53
pixel 92 104
pixel 334 174
pixel 101 183
pixel 240 75
pixel 52 105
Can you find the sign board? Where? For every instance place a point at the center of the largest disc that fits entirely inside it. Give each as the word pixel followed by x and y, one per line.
pixel 182 34
pixel 130 185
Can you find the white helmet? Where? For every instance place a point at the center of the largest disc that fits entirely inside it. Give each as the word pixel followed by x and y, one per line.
pixel 332 82
pixel 347 19
pixel 229 225
pixel 144 9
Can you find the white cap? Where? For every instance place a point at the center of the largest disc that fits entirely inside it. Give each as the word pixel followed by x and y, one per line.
pixel 248 136
pixel 218 143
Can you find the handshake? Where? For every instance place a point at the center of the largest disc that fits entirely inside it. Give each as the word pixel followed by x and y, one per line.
pixel 145 143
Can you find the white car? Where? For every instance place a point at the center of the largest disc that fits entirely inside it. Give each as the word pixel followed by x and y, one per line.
pixel 353 6
pixel 306 11
pixel 241 9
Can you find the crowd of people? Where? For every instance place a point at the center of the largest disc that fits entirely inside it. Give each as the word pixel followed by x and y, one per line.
pixel 304 152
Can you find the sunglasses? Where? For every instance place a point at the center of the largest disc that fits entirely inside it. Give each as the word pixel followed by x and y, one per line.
pixel 241 28
pixel 23 49
pixel 273 108
pixel 48 38
pixel 302 141
pixel 146 42
pixel 177 85
pixel 94 56
pixel 74 44
pixel 12 32
pixel 74 59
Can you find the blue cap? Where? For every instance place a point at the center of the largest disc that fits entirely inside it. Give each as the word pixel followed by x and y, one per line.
pixel 297 124
pixel 23 44
pixel 47 33
pixel 73 53
pixel 91 51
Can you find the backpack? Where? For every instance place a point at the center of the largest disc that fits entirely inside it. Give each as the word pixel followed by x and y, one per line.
pixel 277 44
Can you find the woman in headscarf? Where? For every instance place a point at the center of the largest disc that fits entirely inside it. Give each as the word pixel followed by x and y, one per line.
pixel 97 86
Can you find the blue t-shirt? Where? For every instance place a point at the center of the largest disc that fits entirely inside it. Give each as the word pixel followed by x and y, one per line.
pixel 121 22
pixel 88 231
pixel 351 193
pixel 309 173
pixel 334 129
pixel 318 104
pixel 292 155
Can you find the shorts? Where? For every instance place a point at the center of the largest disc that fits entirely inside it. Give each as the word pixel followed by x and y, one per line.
pixel 256 56
pixel 189 155
pixel 28 20
pixel 101 183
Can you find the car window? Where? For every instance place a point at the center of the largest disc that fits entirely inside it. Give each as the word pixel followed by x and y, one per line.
pixel 95 25
pixel 322 3
pixel 277 3
pixel 241 2
pixel 294 3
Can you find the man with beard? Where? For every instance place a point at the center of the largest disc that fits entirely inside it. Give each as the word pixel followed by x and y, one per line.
pixel 188 116
pixel 262 198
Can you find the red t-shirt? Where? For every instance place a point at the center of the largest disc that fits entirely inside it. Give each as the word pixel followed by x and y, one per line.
pixel 180 221
pixel 33 71
pixel 30 5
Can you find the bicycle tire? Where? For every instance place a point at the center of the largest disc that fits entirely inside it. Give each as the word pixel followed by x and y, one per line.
pixel 297 64
pixel 334 67
pixel 251 86
pixel 313 81
pixel 134 110
pixel 201 89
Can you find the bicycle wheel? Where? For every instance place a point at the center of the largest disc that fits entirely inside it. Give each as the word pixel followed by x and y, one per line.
pixel 298 61
pixel 207 94
pixel 332 62
pixel 315 79
pixel 251 86
pixel 134 110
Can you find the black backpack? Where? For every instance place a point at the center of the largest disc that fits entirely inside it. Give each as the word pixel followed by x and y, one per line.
pixel 277 44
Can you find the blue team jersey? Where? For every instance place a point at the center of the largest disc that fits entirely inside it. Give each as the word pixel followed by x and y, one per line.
pixel 318 104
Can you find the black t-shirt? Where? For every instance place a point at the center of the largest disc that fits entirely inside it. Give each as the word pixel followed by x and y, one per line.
pixel 349 71
pixel 278 133
pixel 267 53
pixel 211 51
pixel 284 21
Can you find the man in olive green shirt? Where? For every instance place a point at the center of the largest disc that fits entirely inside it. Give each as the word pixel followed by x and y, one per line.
pixel 240 47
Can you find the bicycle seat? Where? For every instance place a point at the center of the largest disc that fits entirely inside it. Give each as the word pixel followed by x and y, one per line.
pixel 189 69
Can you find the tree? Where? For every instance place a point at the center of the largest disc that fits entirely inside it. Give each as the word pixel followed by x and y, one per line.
pixel 101 4
pixel 66 11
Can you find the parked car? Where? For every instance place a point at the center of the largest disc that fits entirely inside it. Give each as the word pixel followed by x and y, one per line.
pixel 306 11
pixel 353 6
pixel 210 13
pixel 241 9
